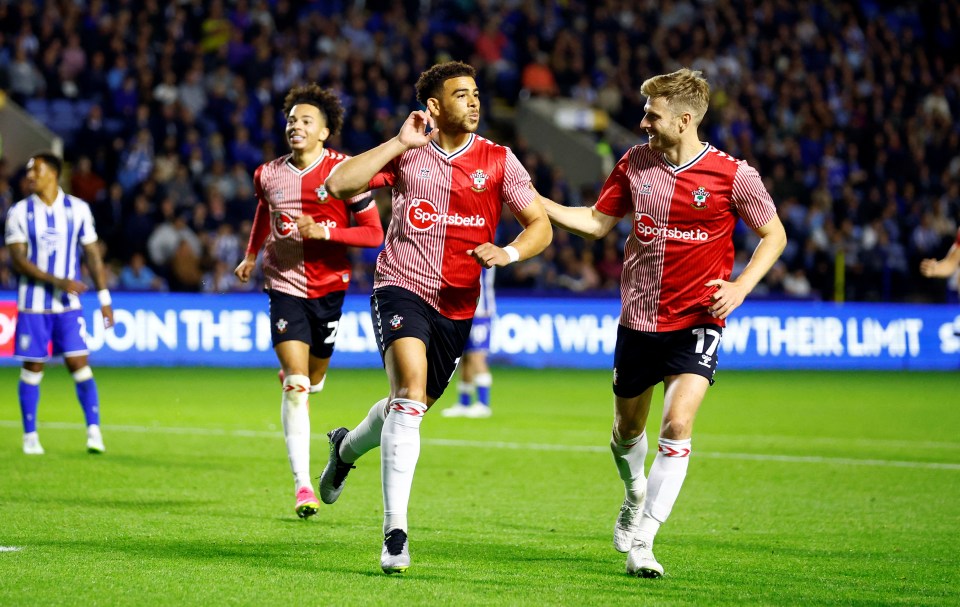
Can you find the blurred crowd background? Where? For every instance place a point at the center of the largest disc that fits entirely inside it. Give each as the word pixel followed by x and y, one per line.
pixel 847 109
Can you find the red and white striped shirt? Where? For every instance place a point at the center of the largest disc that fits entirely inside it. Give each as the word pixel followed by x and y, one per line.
pixel 682 237
pixel 292 265
pixel 444 205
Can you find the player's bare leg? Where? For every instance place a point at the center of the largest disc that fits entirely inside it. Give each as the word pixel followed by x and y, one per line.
pixel 683 395
pixel 475 380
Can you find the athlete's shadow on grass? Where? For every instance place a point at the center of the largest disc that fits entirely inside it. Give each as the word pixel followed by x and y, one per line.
pixel 490 564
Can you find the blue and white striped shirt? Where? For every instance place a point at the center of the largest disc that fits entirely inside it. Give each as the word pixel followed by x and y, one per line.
pixel 55 236
pixel 486 304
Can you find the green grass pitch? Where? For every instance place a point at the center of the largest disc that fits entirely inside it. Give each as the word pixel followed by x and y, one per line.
pixel 804 489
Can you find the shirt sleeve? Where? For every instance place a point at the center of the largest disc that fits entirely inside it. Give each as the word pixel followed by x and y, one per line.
pixel 367 233
pixel 517 192
pixel 261 218
pixel 387 176
pixel 87 232
pixel 750 198
pixel 15 231
pixel 615 197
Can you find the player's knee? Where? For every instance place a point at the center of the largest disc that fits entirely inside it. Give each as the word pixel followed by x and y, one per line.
pixel 677 428
pixel 414 393
pixel 31 378
pixel 82 374
pixel 295 389
pixel 627 429
pixel 483 380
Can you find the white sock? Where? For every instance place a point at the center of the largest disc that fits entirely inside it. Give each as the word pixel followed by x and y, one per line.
pixel 366 435
pixel 398 459
pixel 483 382
pixel 629 455
pixel 295 414
pixel 315 388
pixel 666 478
pixel 93 432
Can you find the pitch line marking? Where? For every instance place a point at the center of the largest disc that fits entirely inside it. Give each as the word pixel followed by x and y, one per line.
pixel 444 442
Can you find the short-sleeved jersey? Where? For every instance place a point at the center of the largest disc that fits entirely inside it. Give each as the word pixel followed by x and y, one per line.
pixel 444 205
pixel 682 237
pixel 55 236
pixel 292 265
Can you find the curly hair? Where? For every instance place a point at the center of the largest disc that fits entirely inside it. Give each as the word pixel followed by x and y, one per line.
pixel 431 81
pixel 324 100
pixel 683 89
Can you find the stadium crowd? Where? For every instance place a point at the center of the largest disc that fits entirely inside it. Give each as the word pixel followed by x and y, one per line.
pixel 166 109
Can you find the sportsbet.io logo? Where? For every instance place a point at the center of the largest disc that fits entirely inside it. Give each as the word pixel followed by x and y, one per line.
pixel 423 215
pixel 283 225
pixel 646 229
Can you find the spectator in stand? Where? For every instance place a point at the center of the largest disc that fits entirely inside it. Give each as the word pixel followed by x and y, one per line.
pixel 862 86
pixel 537 78
pixel 136 275
pixel 84 182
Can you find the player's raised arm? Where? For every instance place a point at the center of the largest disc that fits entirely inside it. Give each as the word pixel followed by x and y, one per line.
pixel 586 222
pixel 353 176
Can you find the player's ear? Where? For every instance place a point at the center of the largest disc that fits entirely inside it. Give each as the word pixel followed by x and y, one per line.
pixel 433 106
pixel 324 134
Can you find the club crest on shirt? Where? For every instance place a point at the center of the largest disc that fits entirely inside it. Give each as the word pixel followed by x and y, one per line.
pixel 396 322
pixel 282 325
pixel 50 237
pixel 646 189
pixel 424 174
pixel 700 196
pixel 322 194
pixel 479 180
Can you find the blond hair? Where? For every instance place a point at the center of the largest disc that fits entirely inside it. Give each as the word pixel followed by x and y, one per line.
pixel 685 90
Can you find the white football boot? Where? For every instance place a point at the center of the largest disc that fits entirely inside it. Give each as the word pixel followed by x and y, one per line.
pixel 641 562
pixel 628 522
pixel 31 444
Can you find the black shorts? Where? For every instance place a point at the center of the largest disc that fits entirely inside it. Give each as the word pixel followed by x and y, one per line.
pixel 643 359
pixel 312 321
pixel 398 313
